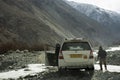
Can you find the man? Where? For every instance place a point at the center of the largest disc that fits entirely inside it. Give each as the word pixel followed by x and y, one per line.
pixel 102 54
pixel 57 49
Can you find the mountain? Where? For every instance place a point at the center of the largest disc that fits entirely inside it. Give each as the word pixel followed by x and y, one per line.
pixel 36 22
pixel 109 19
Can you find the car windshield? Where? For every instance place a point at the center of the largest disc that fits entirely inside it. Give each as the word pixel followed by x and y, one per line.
pixel 73 46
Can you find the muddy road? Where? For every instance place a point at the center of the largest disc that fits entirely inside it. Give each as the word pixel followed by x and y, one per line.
pixel 52 73
pixel 20 60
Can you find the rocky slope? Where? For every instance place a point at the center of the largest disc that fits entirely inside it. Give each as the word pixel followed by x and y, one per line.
pixel 19 23
pixel 35 22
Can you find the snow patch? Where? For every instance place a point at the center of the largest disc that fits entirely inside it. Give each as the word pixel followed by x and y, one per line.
pixel 32 69
pixel 114 49
pixel 111 68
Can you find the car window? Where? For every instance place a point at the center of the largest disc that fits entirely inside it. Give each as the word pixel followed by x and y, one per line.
pixel 71 46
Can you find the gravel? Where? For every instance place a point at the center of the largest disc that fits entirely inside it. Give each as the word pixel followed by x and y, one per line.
pixel 113 58
pixel 19 59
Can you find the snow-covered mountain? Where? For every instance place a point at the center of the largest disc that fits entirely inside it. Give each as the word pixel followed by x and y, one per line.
pixel 99 14
pixel 109 19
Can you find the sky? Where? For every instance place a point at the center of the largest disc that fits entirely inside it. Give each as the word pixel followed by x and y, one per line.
pixel 113 5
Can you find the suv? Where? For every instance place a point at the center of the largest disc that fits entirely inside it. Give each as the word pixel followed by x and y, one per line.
pixel 75 54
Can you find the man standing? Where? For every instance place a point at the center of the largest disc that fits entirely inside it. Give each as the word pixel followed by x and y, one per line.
pixel 102 54
pixel 57 49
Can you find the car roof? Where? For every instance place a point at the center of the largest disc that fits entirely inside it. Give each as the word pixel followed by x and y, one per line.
pixel 75 40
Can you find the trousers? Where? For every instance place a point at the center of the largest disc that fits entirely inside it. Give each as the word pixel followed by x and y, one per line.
pixel 103 61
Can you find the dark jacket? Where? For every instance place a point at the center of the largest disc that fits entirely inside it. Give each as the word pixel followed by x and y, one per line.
pixel 102 54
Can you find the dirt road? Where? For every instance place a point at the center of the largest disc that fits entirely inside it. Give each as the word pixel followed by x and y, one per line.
pixel 51 73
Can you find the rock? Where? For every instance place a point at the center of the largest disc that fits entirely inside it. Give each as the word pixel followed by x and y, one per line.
pixel 26 51
pixel 10 51
pixel 11 79
pixel 27 69
pixel 17 51
pixel 11 67
pixel 24 66
pixel 20 78
pixel 30 76
pixel 22 52
pixel 1 57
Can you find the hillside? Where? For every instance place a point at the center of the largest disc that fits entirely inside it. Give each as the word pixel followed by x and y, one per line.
pixel 34 22
pixel 109 19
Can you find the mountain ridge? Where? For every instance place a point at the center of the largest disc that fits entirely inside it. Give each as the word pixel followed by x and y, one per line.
pixel 46 22
pixel 109 19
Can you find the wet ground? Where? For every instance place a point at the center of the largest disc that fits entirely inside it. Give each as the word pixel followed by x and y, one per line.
pixel 18 61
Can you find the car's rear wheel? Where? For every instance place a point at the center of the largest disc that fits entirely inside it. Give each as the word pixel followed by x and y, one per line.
pixel 90 69
pixel 61 71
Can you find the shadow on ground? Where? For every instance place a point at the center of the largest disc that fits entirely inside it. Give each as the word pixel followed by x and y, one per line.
pixel 67 75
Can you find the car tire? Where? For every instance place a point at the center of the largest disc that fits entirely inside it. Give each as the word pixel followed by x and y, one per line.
pixel 90 69
pixel 61 71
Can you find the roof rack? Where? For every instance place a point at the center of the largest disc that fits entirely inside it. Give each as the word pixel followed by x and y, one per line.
pixel 75 39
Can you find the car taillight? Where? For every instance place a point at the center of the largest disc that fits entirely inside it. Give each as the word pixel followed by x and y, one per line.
pixel 91 55
pixel 60 55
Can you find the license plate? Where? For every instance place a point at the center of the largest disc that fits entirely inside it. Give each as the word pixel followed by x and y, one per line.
pixel 85 57
pixel 76 55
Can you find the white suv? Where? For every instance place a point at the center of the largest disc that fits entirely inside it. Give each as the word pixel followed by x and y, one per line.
pixel 75 54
